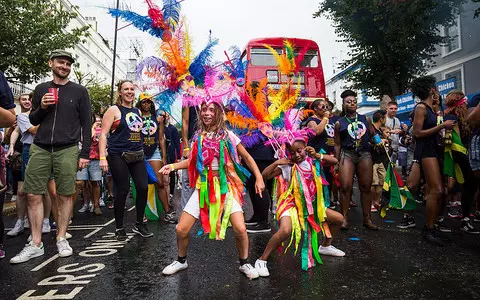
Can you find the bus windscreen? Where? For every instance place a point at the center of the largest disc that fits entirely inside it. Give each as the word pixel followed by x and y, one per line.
pixel 263 57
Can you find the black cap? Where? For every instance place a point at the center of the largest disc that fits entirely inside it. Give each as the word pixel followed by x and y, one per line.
pixel 62 53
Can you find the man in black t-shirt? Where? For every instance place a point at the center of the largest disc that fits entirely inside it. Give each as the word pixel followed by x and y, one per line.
pixel 474 146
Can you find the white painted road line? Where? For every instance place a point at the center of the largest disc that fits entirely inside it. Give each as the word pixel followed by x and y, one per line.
pixel 40 266
pixel 93 232
pixel 109 222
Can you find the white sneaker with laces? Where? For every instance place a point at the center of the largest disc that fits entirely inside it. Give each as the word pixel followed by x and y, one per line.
pixel 101 203
pixel 26 224
pixel 83 208
pixel 331 251
pixel 46 226
pixel 249 271
pixel 90 207
pixel 17 229
pixel 28 252
pixel 64 249
pixel 174 267
pixel 261 267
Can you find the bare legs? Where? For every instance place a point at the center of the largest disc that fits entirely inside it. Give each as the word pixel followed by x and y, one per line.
pixel 278 238
pixel 435 189
pixel 161 190
pixel 238 224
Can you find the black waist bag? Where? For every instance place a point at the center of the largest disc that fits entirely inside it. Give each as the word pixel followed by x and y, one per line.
pixel 133 156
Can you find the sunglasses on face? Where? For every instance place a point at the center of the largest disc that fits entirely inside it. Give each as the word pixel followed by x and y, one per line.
pixel 323 107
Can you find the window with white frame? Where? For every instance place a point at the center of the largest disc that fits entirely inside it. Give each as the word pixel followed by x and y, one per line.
pixel 453 33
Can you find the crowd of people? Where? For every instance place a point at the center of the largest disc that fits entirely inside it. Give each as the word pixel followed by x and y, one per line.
pixel 308 186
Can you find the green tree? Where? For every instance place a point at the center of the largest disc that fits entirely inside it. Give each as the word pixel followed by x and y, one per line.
pixel 30 30
pixel 477 11
pixel 99 97
pixel 392 40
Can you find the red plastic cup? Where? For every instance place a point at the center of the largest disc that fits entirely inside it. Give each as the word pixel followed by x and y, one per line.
pixel 54 91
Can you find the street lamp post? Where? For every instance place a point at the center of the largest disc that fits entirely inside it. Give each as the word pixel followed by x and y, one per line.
pixel 114 55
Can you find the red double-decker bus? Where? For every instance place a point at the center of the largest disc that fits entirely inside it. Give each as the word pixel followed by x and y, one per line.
pixel 262 63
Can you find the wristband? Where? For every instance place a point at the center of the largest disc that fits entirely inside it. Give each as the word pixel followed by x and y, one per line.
pixel 184 149
pixel 172 167
pixel 321 156
pixel 325 118
pixel 103 158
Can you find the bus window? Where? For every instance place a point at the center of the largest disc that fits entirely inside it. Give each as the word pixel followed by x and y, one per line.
pixel 263 57
pixel 310 59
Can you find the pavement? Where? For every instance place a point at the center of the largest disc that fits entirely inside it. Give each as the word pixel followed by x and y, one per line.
pixel 386 264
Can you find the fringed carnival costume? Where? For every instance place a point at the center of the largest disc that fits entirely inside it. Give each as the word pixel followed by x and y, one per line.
pixel 217 188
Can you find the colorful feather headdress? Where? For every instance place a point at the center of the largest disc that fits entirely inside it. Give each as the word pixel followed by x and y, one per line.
pixel 288 62
pixel 159 22
pixel 217 88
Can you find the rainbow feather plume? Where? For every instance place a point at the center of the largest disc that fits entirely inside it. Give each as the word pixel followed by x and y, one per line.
pixel 199 64
pixel 144 23
pixel 171 13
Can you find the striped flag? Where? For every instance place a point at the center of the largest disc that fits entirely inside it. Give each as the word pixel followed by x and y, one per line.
pixel 154 207
pixel 397 193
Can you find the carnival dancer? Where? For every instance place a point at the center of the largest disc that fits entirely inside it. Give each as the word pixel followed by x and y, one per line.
pixel 456 164
pixel 301 209
pixel 153 139
pixel 218 177
pixel 427 150
pixel 123 123
pixel 352 149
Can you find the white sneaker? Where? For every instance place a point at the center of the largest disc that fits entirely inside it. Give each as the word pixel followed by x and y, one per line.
pixel 101 203
pixel 68 235
pixel 18 228
pixel 261 267
pixel 46 226
pixel 64 249
pixel 331 251
pixel 249 271
pixel 90 207
pixel 83 208
pixel 174 267
pixel 26 224
pixel 30 251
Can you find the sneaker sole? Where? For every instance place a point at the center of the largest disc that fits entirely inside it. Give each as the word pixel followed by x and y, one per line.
pixel 469 232
pixel 33 256
pixel 145 236
pixel 406 227
pixel 168 274
pixel 259 231
pixel 65 255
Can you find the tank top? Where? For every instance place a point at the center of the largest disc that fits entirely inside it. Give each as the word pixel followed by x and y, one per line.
pixel 428 146
pixel 319 141
pixel 355 133
pixel 127 135
pixel 150 135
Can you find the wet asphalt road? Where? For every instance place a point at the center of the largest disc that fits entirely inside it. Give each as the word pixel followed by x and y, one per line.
pixel 388 264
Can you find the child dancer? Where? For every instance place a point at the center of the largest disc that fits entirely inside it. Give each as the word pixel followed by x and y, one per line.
pixel 301 209
pixel 218 177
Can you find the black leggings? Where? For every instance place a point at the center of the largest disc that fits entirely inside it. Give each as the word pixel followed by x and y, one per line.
pixel 172 182
pixel 2 226
pixel 121 172
pixel 469 187
pixel 260 204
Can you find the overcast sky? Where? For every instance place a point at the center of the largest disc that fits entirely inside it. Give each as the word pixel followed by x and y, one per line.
pixel 233 22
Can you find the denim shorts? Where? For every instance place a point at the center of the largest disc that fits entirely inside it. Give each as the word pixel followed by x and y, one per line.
pixel 92 173
pixel 354 156
pixel 155 156
pixel 25 157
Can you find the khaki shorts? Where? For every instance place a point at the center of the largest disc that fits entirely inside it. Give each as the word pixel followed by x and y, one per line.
pixel 379 173
pixel 64 164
